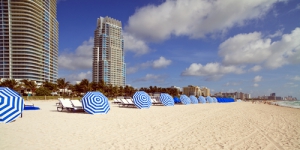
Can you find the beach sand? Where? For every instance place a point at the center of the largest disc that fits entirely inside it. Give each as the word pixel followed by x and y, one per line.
pixel 240 125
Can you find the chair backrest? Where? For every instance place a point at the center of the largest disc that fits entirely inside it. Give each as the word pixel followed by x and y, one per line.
pixel 76 103
pixel 66 103
pixel 124 101
pixel 119 100
pixel 67 99
pixel 130 101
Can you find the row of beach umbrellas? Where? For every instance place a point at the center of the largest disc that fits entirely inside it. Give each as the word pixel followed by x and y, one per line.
pixel 12 104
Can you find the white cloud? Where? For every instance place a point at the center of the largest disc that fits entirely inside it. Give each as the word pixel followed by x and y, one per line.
pixel 151 77
pixel 134 44
pixel 162 62
pixel 296 78
pixel 232 84
pixel 278 33
pixel 255 85
pixel 245 49
pixel 257 78
pixel 81 59
pixel 212 70
pixel 78 77
pixel 291 84
pixel 194 18
pixel 256 68
pixel 252 48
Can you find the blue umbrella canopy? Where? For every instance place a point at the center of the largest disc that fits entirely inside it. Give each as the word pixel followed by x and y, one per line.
pixel 142 100
pixel 209 99
pixel 95 103
pixel 166 99
pixel 185 100
pixel 176 100
pixel 215 100
pixel 11 105
pixel 194 100
pixel 201 99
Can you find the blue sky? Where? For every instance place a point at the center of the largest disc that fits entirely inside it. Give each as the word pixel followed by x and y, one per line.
pixel 225 45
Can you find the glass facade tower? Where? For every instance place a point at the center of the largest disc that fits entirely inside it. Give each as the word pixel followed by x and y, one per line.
pixel 108 52
pixel 28 40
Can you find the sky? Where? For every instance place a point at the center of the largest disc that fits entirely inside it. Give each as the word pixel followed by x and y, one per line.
pixel 225 45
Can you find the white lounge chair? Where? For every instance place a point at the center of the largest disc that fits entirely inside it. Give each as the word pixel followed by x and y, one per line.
pixel 66 104
pixel 76 104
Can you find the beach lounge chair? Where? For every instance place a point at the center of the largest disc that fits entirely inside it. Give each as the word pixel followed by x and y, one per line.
pixel 123 103
pixel 155 102
pixel 116 101
pixel 76 104
pixel 66 104
pixel 58 103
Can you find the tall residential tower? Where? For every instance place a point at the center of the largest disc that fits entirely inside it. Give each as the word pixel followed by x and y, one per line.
pixel 28 40
pixel 108 55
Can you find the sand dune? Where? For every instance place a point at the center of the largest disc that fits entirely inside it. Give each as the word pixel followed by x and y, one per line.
pixel 202 126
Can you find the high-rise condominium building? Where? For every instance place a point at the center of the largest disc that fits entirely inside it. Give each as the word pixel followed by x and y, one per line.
pixel 191 90
pixel 28 40
pixel 108 55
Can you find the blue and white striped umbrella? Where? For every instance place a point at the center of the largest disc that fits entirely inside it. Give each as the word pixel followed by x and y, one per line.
pixel 95 103
pixel 142 100
pixel 11 105
pixel 215 100
pixel 194 100
pixel 209 99
pixel 166 99
pixel 201 99
pixel 185 100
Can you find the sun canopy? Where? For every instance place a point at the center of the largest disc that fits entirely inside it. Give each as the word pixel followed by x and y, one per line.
pixel 142 100
pixel 11 105
pixel 95 103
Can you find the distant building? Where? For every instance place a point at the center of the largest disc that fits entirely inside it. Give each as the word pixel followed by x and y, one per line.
pixel 29 40
pixel 175 87
pixel 191 90
pixel 108 56
pixel 205 91
pixel 247 96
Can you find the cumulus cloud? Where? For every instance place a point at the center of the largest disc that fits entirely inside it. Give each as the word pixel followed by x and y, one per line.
pixel 194 18
pixel 78 77
pixel 135 45
pixel 255 85
pixel 278 33
pixel 162 62
pixel 296 78
pixel 244 49
pixel 256 68
pixel 82 58
pixel 291 85
pixel 151 77
pixel 257 78
pixel 211 70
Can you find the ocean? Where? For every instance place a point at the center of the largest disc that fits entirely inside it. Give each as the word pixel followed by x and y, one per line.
pixel 293 104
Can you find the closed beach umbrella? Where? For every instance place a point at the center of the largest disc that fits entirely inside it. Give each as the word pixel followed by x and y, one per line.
pixel 142 100
pixel 95 103
pixel 185 100
pixel 166 99
pixel 201 99
pixel 194 100
pixel 11 105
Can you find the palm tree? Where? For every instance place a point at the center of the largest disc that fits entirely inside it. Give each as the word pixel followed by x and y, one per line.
pixel 11 83
pixel 62 84
pixel 85 85
pixel 50 86
pixel 29 84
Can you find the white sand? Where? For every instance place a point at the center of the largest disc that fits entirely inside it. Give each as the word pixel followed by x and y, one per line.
pixel 203 126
